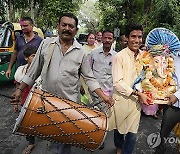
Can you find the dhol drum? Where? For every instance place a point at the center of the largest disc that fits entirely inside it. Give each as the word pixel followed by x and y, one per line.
pixel 55 119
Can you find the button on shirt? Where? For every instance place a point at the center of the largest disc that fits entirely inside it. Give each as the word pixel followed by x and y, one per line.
pixel 62 76
pixel 101 65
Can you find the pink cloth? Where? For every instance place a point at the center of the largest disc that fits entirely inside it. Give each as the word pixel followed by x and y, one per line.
pixel 150 110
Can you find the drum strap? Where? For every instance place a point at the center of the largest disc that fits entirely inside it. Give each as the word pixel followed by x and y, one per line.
pixel 49 55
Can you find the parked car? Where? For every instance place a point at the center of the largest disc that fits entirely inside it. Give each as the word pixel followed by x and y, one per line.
pixel 82 39
pixel 8 33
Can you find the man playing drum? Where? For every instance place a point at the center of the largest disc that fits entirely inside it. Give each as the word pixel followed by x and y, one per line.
pixel 67 62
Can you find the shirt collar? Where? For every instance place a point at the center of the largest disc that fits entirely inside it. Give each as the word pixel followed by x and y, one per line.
pixel 74 45
pixel 131 53
pixel 102 51
pixel 35 36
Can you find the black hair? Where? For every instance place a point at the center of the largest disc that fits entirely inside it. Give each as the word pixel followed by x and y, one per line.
pixel 29 50
pixel 88 36
pixel 27 19
pixel 98 32
pixel 109 31
pixel 132 26
pixel 70 15
pixel 121 37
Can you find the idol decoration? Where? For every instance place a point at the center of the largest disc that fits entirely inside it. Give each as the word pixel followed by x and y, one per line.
pixel 157 78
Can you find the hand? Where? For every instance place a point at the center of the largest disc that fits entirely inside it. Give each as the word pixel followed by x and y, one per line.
pixel 15 108
pixel 108 100
pixel 144 99
pixel 16 95
pixel 171 99
pixel 8 73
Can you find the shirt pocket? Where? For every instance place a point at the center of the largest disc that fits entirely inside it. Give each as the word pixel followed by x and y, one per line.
pixel 109 69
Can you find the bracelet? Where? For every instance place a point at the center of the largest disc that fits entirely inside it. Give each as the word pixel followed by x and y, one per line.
pixel 19 89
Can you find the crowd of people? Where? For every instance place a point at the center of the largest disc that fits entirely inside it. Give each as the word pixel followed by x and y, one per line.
pixel 105 75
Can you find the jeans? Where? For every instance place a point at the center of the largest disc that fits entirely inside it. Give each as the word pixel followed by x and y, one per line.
pixel 171 116
pixel 63 148
pixel 125 142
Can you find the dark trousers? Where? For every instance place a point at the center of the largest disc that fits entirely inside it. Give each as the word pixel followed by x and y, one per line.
pixel 125 142
pixel 31 139
pixel 171 116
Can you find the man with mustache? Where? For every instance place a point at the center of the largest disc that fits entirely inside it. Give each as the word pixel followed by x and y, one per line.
pixel 67 62
pixel 101 64
pixel 125 115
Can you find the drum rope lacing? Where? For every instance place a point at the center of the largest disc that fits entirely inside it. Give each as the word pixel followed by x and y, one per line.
pixel 42 110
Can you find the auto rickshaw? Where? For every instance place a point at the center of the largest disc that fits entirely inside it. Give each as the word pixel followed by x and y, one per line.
pixel 8 33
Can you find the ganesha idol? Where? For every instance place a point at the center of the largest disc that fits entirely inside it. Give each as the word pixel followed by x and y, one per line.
pixel 157 79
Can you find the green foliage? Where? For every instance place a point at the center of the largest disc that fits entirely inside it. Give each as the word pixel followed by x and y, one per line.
pixel 107 14
pixel 111 14
pixel 45 12
pixel 50 10
pixel 166 13
pixel 150 13
pixel 2 12
pixel 89 17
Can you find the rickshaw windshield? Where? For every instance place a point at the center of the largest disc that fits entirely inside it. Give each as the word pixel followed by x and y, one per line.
pixel 6 39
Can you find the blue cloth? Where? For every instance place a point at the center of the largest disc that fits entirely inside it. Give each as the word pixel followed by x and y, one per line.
pixel 21 45
pixel 125 142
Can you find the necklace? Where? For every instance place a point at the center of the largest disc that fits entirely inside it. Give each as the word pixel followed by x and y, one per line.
pixel 159 86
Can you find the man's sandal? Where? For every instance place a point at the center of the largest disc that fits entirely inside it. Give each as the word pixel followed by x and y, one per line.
pixel 28 149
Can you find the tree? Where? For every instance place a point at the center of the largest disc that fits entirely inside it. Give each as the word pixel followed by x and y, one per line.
pixel 151 13
pixel 88 17
pixel 49 11
pixel 166 13
pixel 2 12
pixel 45 13
pixel 112 14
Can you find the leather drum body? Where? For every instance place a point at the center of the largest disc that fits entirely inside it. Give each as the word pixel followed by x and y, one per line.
pixel 51 118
